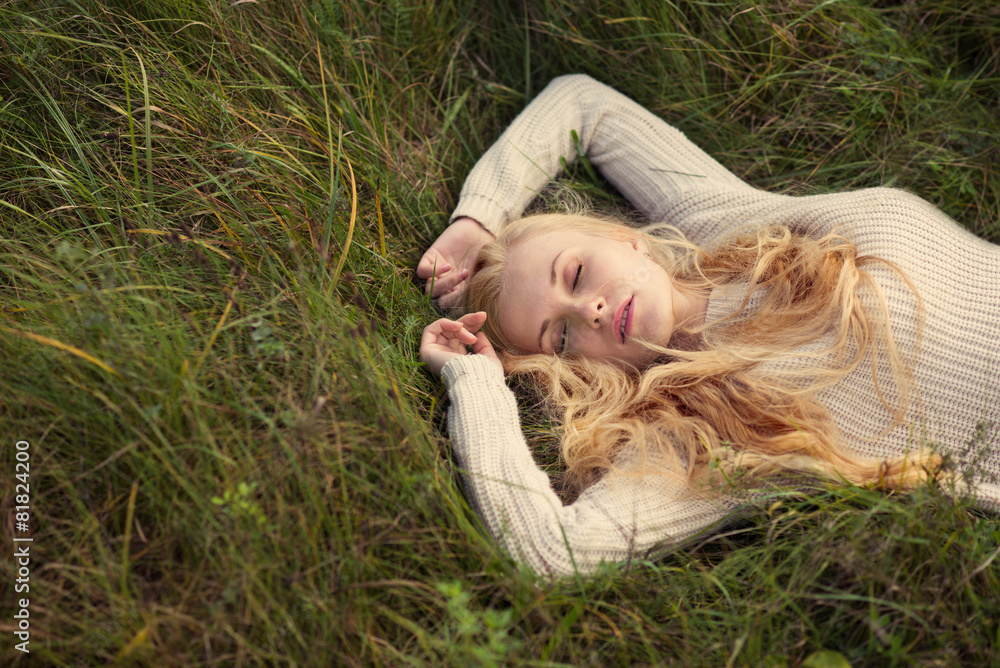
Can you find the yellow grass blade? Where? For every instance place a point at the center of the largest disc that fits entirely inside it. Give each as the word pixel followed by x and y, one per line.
pixel 73 350
pixel 350 225
pixel 141 638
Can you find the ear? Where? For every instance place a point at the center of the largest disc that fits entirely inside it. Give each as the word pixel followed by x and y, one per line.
pixel 639 243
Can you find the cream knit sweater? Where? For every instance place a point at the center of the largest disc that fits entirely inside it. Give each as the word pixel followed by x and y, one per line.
pixel 669 179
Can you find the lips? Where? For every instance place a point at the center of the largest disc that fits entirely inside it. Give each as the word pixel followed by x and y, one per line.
pixel 623 320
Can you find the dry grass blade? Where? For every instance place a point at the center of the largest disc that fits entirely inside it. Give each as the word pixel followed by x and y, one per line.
pixel 59 345
pixel 350 223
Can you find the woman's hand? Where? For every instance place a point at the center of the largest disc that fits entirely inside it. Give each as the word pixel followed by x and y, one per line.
pixel 448 262
pixel 443 340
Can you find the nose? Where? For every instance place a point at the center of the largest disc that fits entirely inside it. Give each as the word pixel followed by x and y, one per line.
pixel 591 310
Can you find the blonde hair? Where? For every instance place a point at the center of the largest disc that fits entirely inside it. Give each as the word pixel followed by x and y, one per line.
pixel 702 413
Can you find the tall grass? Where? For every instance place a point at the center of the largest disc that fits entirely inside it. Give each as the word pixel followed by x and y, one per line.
pixel 209 217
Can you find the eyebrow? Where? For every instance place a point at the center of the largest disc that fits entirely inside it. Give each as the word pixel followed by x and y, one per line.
pixel 552 282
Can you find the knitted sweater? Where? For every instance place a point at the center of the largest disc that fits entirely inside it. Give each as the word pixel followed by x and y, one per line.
pixel 957 370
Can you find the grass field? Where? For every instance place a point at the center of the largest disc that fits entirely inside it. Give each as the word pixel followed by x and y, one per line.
pixel 210 213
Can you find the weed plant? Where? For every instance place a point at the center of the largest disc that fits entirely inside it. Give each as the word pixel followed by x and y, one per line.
pixel 210 212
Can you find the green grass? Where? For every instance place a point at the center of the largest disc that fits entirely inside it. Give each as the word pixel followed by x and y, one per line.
pixel 209 217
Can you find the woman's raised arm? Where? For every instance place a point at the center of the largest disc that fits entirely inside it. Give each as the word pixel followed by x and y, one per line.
pixel 617 519
pixel 671 180
pixel 649 161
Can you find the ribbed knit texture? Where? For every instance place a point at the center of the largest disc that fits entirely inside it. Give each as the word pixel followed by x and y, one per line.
pixel 957 372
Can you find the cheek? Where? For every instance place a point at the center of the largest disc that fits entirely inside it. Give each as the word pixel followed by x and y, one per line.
pixel 589 342
pixel 508 326
pixel 654 272
pixel 521 338
pixel 642 276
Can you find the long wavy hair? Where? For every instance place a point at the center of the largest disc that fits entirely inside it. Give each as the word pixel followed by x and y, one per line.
pixel 703 413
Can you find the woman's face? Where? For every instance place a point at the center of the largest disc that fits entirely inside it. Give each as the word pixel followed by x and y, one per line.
pixel 572 292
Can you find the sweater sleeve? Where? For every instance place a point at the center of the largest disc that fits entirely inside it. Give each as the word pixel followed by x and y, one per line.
pixel 649 161
pixel 619 518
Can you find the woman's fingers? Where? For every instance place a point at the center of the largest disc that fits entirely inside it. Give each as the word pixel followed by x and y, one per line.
pixel 432 264
pixel 444 339
pixel 452 299
pixel 473 321
pixel 461 333
pixel 444 283
pixel 482 346
pixel 449 260
pixel 445 330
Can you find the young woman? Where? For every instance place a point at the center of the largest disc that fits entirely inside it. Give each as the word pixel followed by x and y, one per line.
pixel 852 337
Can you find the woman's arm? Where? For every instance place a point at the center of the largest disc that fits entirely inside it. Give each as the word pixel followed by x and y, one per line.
pixel 649 161
pixel 615 520
pixel 671 180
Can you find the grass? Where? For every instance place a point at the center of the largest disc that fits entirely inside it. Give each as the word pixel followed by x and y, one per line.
pixel 209 218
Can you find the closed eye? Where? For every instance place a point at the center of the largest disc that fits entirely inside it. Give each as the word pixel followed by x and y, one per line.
pixel 561 348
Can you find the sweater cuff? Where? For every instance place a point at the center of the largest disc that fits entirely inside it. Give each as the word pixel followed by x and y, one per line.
pixel 476 367
pixel 483 210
